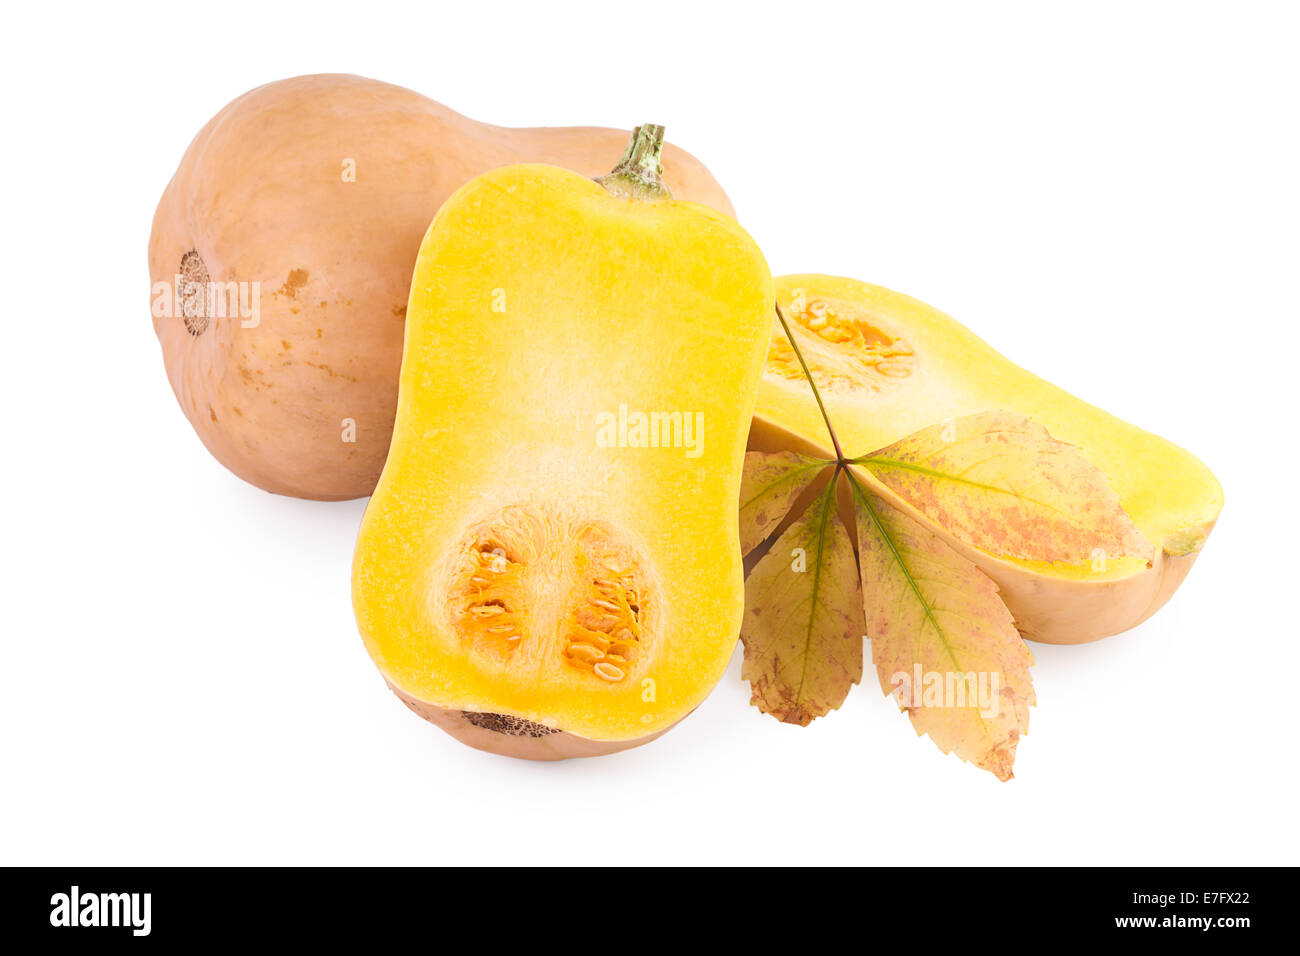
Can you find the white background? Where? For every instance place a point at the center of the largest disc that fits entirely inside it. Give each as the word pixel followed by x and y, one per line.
pixel 1108 195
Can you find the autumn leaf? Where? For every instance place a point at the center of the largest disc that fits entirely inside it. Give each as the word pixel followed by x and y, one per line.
pixel 1000 482
pixel 942 640
pixel 803 623
pixel 769 486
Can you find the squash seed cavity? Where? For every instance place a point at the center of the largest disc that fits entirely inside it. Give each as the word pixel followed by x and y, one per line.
pixel 846 348
pixel 546 591
pixel 487 606
pixel 603 637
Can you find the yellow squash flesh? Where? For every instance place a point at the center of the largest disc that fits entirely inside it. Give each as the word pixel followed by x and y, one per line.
pixel 528 575
pixel 888 365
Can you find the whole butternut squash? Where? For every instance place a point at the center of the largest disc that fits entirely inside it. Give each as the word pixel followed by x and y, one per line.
pixel 281 258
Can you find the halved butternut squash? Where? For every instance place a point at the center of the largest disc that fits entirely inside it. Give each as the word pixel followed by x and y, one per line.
pixel 888 365
pixel 550 565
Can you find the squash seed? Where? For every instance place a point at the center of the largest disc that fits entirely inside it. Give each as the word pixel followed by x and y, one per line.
pixel 585 652
pixel 607 671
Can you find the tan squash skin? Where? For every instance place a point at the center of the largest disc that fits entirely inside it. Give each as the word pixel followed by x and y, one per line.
pixel 558 745
pixel 260 196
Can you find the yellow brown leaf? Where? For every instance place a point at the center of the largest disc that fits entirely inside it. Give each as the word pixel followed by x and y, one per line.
pixel 803 623
pixel 1001 483
pixel 769 485
pixel 942 641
